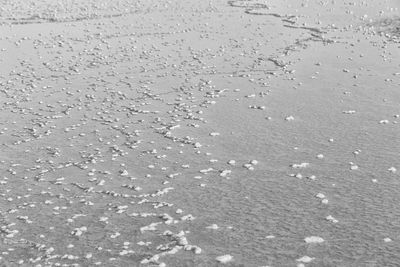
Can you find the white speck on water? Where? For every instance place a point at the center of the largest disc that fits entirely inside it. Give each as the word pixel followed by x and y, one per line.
pixel 314 239
pixel 213 227
pixel 224 173
pixel 331 219
pixel 312 177
pixel 349 111
pixel 301 165
pixel 305 259
pixel 124 173
pixel 354 167
pixel 289 118
pixel 224 258
pixel 253 162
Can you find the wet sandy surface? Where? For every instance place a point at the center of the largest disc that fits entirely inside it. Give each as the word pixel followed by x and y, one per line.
pixel 187 133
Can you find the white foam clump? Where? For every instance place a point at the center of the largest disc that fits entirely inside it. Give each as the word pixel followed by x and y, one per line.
pixel 331 219
pixel 305 259
pixel 314 239
pixel 231 162
pixel 289 118
pixel 123 173
pixel 249 166
pixel 167 218
pixel 188 217
pixel 349 111
pixel 254 162
pixel 79 231
pixel 195 249
pixel 224 258
pixel 150 227
pixel 323 198
pixel 162 191
pixel 178 211
pixel 213 227
pixel 312 177
pixel 301 165
pixel 224 173
pixel 206 170
pixel 353 167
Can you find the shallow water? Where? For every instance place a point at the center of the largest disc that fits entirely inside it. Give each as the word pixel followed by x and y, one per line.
pixel 168 132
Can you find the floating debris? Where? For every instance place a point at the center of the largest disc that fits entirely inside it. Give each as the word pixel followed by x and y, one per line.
pixel 224 258
pixel 224 173
pixel 331 219
pixel 300 165
pixel 305 259
pixel 79 231
pixel 117 125
pixel 289 118
pixel 314 239
pixel 232 162
pixel 213 227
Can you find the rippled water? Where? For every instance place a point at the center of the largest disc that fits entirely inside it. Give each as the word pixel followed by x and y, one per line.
pixel 165 132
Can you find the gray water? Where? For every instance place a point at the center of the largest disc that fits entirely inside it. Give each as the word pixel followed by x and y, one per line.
pixel 139 133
